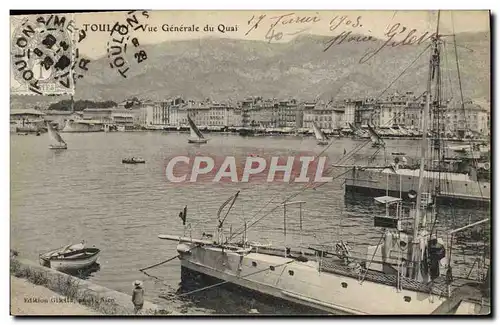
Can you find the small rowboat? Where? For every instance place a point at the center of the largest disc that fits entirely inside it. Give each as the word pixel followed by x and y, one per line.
pixel 133 161
pixel 67 259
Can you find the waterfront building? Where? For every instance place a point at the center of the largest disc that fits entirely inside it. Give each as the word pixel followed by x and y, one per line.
pixel 299 116
pixel 154 114
pixel 349 112
pixel 246 105
pixel 199 112
pixel 320 113
pixel 404 110
pixel 125 119
pixel 413 115
pixel 257 111
pixel 178 114
pixel 391 111
pixel 235 117
pixel 223 115
pixel 260 115
pixel 26 120
pixel 338 114
pixel 99 114
pixel 285 113
pixel 471 117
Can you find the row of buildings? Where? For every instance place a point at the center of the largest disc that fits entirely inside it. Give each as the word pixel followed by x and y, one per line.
pixel 402 110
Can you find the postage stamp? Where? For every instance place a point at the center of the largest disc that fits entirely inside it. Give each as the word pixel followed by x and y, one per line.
pixel 42 54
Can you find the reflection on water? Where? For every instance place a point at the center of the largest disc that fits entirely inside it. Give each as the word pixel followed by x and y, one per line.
pixel 85 192
pixel 85 273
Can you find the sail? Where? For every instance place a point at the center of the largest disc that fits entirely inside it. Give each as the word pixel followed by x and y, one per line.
pixel 376 139
pixel 356 130
pixel 320 136
pixel 195 132
pixel 54 134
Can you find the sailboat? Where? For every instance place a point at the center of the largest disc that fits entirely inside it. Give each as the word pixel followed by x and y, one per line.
pixel 321 138
pixel 196 136
pixel 377 141
pixel 357 132
pixel 56 137
pixel 400 275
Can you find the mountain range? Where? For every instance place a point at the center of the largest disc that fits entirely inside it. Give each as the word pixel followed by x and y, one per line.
pixel 222 69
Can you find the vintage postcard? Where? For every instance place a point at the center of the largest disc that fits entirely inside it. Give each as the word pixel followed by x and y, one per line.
pixel 250 163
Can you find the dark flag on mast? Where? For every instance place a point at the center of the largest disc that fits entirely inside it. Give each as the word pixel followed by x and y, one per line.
pixel 183 215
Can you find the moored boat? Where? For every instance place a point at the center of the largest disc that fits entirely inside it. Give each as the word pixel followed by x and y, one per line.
pixel 70 258
pixel 82 126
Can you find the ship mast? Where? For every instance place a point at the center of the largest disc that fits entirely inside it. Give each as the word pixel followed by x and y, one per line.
pixel 416 253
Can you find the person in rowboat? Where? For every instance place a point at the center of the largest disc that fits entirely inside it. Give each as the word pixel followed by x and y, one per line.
pixel 138 296
pixel 78 246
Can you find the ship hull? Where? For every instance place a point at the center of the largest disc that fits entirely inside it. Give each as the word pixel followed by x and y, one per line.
pixel 78 127
pixel 200 279
pixel 250 287
pixel 454 187
pixel 301 283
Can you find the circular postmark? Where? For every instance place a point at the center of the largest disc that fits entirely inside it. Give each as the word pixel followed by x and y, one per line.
pixel 122 38
pixel 42 49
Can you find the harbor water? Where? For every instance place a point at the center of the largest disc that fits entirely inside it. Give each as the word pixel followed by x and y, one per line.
pixel 86 193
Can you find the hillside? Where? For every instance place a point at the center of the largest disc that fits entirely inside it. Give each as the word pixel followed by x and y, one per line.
pixel 231 69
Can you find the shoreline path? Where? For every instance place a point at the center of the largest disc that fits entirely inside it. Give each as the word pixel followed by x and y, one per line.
pixel 27 299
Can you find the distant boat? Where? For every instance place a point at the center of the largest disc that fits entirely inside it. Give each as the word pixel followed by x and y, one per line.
pixel 133 160
pixel 196 136
pixel 246 132
pixel 70 257
pixel 321 138
pixel 377 141
pixel 82 126
pixel 357 132
pixel 56 137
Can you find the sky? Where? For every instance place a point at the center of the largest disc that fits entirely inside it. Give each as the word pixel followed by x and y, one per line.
pixel 287 25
